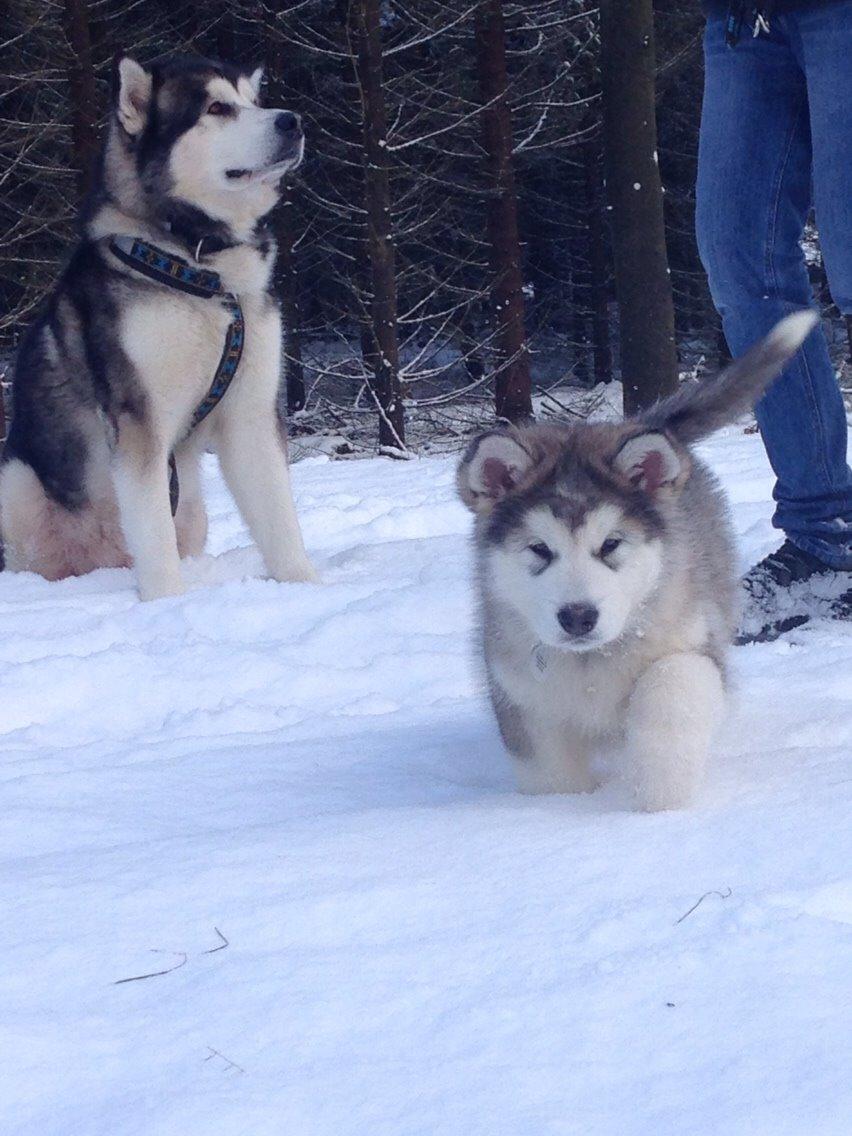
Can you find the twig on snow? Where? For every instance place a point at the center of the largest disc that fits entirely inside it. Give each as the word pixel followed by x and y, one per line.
pixel 721 894
pixel 552 398
pixel 215 1053
pixel 183 960
pixel 224 943
pixel 156 973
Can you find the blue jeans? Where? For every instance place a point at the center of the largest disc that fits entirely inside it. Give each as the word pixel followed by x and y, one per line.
pixel 776 128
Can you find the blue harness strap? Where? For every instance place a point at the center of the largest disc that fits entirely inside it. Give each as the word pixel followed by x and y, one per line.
pixel 175 272
pixel 232 352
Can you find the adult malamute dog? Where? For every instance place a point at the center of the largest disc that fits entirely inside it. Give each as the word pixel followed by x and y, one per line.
pixel 607 577
pixel 163 307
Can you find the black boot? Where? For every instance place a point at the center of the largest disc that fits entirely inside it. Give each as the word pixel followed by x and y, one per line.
pixel 788 588
pixel 841 608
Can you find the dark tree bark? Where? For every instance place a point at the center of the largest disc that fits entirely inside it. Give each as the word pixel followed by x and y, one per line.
pixel 634 189
pixel 82 90
pixel 598 263
pixel 294 371
pixel 580 334
pixel 513 393
pixel 285 234
pixel 230 33
pixel 364 22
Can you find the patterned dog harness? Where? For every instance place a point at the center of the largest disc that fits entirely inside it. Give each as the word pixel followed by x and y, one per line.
pixel 174 272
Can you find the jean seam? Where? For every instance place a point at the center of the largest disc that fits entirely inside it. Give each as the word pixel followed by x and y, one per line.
pixel 772 283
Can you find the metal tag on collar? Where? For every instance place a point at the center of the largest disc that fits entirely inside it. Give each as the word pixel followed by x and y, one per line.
pixel 174 485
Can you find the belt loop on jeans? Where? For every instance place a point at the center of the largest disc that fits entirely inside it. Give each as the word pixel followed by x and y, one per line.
pixel 759 15
pixel 734 22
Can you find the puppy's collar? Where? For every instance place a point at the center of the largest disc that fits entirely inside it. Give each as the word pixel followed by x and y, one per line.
pixel 166 268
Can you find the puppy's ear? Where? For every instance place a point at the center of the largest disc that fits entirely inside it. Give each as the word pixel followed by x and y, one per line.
pixel 651 462
pixel 493 465
pixel 132 95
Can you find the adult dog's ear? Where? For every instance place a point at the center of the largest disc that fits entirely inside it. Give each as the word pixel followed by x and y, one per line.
pixel 132 94
pixel 256 81
pixel 493 465
pixel 650 461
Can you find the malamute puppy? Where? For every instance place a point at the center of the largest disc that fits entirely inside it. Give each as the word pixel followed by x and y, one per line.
pixel 164 305
pixel 606 568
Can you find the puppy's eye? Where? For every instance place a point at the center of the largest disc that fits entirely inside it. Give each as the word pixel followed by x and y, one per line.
pixel 219 108
pixel 542 552
pixel 610 545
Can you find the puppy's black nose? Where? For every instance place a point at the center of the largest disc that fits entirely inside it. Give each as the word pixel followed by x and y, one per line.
pixel 288 123
pixel 577 618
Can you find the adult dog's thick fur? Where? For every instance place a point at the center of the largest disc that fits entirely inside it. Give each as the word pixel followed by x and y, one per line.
pixel 606 569
pixel 108 377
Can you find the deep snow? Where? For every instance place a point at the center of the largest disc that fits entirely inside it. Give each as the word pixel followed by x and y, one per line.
pixel 413 948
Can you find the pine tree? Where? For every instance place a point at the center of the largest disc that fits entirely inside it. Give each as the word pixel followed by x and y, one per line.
pixel 634 189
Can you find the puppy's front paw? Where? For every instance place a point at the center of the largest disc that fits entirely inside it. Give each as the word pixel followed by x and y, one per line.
pixel 672 715
pixel 662 797
pixel 667 777
pixel 296 572
pixel 534 778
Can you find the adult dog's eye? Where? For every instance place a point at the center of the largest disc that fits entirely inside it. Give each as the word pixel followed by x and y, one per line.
pixel 610 545
pixel 542 552
pixel 219 108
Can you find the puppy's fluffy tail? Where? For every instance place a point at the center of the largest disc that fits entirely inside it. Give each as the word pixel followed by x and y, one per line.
pixel 698 409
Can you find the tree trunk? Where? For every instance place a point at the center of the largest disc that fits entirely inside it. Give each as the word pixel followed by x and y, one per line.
pixel 284 226
pixel 643 283
pixel 580 334
pixel 513 393
pixel 366 28
pixel 82 91
pixel 598 263
pixel 294 371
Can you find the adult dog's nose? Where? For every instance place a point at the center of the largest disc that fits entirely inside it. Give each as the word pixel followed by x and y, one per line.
pixel 577 619
pixel 288 123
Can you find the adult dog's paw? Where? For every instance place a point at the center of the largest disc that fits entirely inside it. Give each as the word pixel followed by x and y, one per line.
pixel 160 589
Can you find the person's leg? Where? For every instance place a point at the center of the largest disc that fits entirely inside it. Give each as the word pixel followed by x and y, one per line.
pixel 753 198
pixel 822 39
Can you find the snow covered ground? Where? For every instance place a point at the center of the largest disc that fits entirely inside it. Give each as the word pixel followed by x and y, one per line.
pixel 413 949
